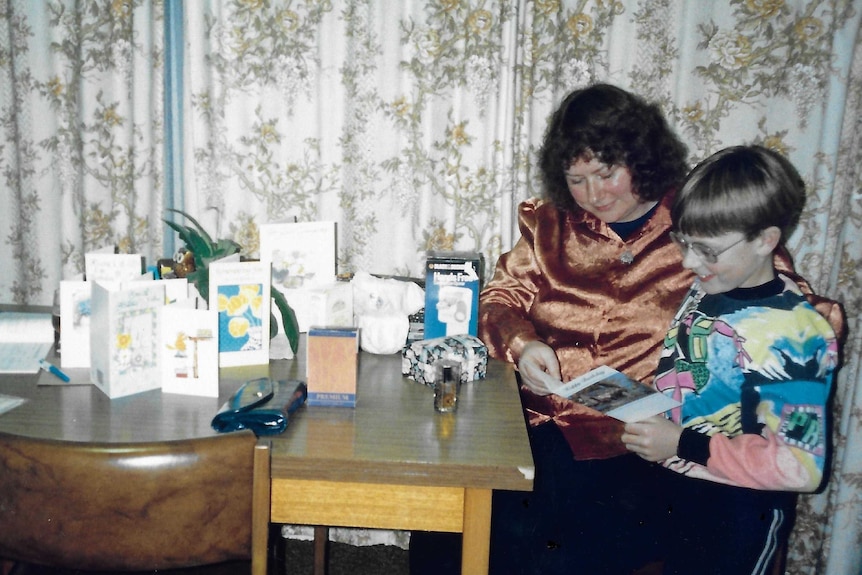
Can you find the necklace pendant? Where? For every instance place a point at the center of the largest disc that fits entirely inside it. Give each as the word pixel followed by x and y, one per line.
pixel 627 257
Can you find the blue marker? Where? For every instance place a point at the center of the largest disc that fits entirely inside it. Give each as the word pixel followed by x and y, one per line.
pixel 52 369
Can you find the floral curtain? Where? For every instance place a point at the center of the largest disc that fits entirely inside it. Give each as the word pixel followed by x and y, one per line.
pixel 413 125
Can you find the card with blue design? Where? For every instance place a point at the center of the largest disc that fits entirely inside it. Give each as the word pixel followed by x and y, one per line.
pixel 240 293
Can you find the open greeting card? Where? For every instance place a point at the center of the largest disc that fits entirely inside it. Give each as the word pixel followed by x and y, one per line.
pixel 614 393
pixel 124 335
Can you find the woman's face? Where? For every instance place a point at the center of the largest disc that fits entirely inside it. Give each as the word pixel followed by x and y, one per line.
pixel 605 191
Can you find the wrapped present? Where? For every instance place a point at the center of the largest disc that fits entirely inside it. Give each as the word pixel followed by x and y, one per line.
pixel 418 358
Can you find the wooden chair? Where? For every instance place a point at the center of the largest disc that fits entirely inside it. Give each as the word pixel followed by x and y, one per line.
pixel 128 506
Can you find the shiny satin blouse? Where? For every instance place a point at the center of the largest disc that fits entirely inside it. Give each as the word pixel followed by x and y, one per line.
pixel 573 283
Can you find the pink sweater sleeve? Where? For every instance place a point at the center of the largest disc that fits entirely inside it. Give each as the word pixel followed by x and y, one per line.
pixel 762 462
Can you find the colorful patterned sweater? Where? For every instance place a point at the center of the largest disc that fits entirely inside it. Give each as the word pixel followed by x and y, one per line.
pixel 753 368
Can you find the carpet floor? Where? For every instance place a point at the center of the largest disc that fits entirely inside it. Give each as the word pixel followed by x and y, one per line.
pixel 347 559
pixel 297 559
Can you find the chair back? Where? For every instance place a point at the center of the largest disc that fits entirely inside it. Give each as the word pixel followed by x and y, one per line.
pixel 126 506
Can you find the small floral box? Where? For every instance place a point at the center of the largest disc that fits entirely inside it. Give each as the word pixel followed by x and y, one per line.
pixel 417 359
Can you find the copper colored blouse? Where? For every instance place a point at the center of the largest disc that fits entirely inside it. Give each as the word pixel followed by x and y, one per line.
pixel 573 283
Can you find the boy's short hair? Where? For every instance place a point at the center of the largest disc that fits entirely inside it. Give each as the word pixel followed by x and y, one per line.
pixel 742 188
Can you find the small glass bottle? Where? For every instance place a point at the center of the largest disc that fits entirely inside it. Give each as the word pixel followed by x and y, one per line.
pixel 447 381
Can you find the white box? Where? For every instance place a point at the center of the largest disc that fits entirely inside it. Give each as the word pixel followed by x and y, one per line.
pixel 327 305
pixel 452 284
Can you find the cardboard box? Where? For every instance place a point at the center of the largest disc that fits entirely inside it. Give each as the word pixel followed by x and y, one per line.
pixel 329 304
pixel 331 365
pixel 417 359
pixel 452 284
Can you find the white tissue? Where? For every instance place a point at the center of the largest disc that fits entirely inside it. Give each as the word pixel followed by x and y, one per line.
pixel 373 294
pixel 382 307
pixel 382 333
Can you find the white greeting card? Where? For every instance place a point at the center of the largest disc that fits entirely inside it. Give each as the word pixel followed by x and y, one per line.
pixel 302 254
pixel 176 290
pixel 240 293
pixel 111 267
pixel 124 337
pixel 75 323
pixel 189 350
pixel 25 338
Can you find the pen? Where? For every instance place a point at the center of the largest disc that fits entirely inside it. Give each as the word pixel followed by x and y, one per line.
pixel 52 369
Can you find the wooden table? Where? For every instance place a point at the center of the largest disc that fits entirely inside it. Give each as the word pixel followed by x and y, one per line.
pixel 393 462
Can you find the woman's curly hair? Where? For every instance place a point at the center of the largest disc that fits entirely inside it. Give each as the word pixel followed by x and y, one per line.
pixel 617 128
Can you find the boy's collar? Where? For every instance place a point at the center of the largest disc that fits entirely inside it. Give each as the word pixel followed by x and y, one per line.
pixel 771 288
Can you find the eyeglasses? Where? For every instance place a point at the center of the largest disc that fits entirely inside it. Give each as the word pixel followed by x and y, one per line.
pixel 705 253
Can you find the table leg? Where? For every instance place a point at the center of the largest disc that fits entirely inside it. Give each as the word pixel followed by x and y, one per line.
pixel 477 532
pixel 321 551
pixel 260 510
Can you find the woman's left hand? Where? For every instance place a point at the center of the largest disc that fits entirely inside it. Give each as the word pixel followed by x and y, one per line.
pixel 654 439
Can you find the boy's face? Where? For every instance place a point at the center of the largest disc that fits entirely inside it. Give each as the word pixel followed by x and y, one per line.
pixel 737 262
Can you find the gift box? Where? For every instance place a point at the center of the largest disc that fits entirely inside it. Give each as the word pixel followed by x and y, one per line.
pixel 453 281
pixel 331 365
pixel 418 358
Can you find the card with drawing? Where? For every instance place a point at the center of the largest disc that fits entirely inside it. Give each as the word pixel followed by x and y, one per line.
pixel 240 293
pixel 189 350
pixel 124 335
pixel 613 393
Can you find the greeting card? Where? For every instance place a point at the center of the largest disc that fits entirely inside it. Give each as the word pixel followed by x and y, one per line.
pixel 106 266
pixel 124 336
pixel 75 323
pixel 189 350
pixel 240 293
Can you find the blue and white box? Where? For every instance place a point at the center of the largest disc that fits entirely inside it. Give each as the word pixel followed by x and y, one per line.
pixel 452 284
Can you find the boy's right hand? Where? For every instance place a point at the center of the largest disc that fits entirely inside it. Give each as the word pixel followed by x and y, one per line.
pixel 538 366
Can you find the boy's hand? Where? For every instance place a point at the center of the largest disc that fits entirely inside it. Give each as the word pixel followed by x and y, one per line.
pixel 654 438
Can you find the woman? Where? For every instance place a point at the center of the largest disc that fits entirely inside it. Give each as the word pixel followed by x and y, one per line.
pixel 594 280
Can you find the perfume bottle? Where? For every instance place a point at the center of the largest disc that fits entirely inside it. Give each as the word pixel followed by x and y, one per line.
pixel 447 384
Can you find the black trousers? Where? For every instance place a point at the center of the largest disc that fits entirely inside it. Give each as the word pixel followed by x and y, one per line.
pixel 714 529
pixel 582 517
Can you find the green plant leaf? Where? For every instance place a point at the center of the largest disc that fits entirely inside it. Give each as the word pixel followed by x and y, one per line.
pixel 199 228
pixel 288 319
pixel 201 280
pixel 184 232
pixel 225 247
pixel 194 242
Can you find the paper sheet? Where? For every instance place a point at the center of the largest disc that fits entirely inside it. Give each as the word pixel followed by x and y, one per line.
pixel 25 338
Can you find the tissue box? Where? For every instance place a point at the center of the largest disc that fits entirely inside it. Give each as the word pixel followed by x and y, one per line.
pixel 417 359
pixel 330 305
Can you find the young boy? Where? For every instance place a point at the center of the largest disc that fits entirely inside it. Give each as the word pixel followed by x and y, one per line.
pixel 752 363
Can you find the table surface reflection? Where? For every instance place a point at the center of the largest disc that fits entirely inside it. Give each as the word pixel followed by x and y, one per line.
pixel 393 433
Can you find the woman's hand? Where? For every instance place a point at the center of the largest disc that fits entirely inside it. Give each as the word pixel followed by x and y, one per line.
pixel 538 362
pixel 654 439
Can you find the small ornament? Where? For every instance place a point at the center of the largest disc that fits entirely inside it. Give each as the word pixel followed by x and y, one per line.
pixel 627 257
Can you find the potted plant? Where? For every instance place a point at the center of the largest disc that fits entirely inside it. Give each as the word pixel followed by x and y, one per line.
pixel 202 250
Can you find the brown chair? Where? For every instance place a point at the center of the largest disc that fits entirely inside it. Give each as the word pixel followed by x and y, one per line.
pixel 127 506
